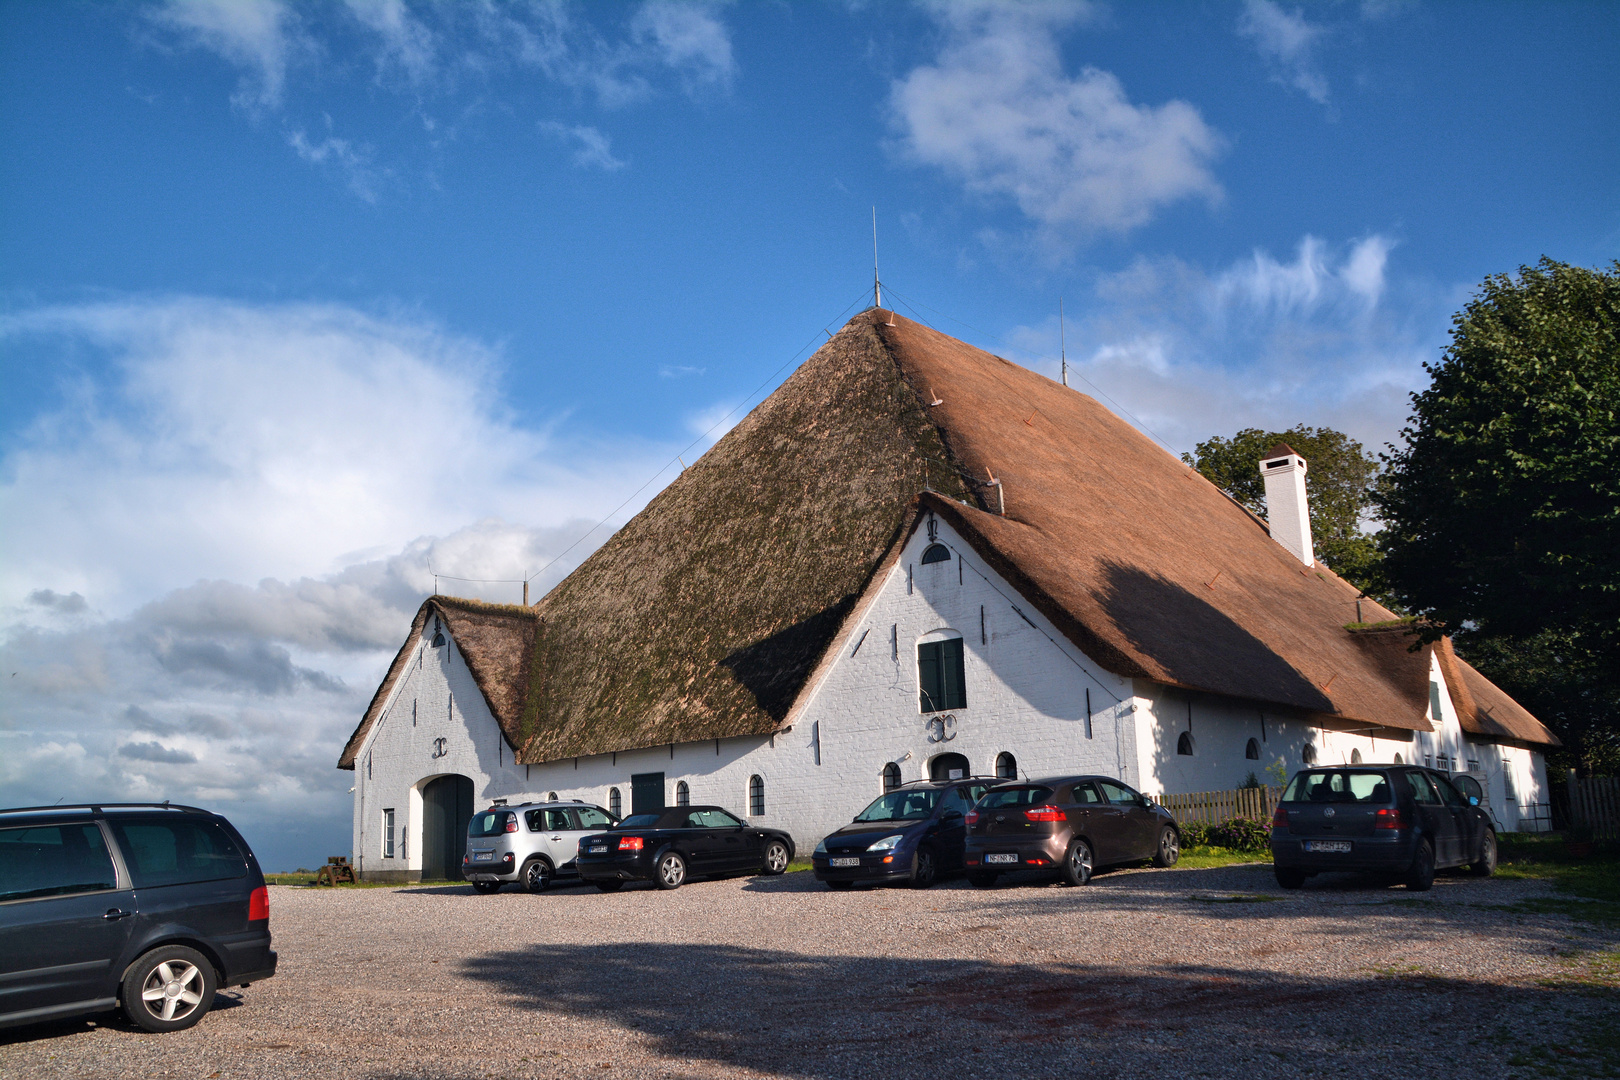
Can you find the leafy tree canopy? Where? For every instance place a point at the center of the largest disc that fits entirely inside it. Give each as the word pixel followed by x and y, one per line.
pixel 1339 478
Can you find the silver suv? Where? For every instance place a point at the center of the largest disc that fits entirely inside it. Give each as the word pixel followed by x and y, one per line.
pixel 532 844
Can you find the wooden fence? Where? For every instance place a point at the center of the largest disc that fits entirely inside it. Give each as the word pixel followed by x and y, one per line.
pixel 1214 807
pixel 1595 803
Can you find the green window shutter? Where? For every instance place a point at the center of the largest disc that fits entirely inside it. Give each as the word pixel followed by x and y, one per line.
pixel 953 682
pixel 928 676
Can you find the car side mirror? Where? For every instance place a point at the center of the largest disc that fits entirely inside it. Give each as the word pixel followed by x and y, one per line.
pixel 952 815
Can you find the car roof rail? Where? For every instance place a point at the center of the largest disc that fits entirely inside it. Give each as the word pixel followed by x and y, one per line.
pixel 96 808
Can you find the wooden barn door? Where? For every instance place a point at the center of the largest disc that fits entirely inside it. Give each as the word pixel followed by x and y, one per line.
pixel 447 807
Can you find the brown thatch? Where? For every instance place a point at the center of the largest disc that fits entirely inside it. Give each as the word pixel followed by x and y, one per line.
pixel 706 614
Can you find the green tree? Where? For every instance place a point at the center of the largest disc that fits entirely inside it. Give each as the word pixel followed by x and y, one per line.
pixel 1339 478
pixel 1502 508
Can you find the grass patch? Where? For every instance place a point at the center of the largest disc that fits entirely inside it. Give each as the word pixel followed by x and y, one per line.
pixel 1590 884
pixel 1205 858
pixel 798 865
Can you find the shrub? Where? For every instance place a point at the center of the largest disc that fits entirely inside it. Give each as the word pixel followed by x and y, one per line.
pixel 1241 834
pixel 1194 833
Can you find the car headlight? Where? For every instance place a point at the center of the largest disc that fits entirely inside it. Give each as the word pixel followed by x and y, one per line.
pixel 888 843
pixel 821 848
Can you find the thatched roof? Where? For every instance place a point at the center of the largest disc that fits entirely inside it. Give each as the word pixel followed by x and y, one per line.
pixel 705 615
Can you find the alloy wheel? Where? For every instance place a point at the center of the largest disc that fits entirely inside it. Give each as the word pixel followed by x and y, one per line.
pixel 173 990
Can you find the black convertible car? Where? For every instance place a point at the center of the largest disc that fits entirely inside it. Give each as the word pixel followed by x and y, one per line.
pixel 672 845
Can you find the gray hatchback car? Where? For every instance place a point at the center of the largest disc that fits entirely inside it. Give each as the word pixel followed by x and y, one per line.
pixel 530 844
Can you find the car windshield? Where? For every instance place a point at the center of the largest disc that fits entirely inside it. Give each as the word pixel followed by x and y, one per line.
pixel 902 806
pixel 641 821
pixel 1338 786
pixel 1018 796
pixel 489 823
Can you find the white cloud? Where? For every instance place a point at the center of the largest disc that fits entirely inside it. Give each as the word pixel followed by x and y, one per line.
pixel 1261 283
pixel 711 423
pixel 404 42
pixel 593 150
pixel 689 38
pixel 997 111
pixel 679 371
pixel 1288 42
pixel 352 162
pixel 257 36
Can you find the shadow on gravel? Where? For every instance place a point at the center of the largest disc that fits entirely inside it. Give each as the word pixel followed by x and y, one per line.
pixel 836 1016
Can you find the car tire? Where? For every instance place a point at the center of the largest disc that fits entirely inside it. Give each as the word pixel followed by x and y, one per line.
pixel 840 886
pixel 169 989
pixel 924 870
pixel 609 886
pixel 1289 878
pixel 1077 863
pixel 982 879
pixel 1420 875
pixel 1486 866
pixel 1169 849
pixel 538 874
pixel 670 872
pixel 487 887
pixel 776 857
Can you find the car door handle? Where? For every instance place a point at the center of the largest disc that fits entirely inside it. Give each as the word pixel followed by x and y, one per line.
pixel 557 837
pixel 113 914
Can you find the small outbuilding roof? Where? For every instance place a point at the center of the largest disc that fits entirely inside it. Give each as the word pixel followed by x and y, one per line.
pixel 706 614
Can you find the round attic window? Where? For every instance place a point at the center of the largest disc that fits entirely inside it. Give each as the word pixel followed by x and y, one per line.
pixel 936 553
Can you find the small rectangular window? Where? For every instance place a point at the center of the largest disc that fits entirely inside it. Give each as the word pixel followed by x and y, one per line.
pixel 54 860
pixel 941 677
pixel 177 852
pixel 388 834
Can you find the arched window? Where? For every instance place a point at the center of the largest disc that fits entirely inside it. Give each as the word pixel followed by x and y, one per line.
pixel 1355 757
pixel 551 796
pixel 1185 745
pixel 438 635
pixel 1252 751
pixel 891 777
pixel 1398 760
pixel 1006 766
pixel 615 803
pixel 756 796
pixel 936 553
pixel 1308 754
pixel 683 794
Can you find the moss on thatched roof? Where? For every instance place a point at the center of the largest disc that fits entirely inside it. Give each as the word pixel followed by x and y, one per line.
pixel 705 615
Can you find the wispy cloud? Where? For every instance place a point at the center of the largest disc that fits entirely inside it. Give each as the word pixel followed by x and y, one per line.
pixel 258 37
pixel 1288 42
pixel 592 149
pixel 997 111
pixel 352 162
pixel 679 371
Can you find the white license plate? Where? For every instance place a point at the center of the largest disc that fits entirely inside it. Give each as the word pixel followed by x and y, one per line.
pixel 1327 845
pixel 483 856
pixel 598 850
pixel 843 862
pixel 1001 858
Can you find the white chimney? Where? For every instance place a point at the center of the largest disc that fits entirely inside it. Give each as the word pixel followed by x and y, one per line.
pixel 1287 511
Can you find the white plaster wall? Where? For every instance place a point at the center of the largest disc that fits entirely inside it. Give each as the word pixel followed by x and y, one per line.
pixel 1515 776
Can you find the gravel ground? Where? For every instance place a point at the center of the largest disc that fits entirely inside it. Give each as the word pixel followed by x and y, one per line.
pixel 1143 973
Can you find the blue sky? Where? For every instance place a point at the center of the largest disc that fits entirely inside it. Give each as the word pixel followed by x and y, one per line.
pixel 302 303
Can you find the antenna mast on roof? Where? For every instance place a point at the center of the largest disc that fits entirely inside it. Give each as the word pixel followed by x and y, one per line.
pixel 1063 349
pixel 877 285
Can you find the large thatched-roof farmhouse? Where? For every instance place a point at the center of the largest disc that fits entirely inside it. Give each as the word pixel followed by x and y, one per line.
pixel 916 558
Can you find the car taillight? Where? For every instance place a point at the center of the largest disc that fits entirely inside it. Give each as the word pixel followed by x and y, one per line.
pixel 629 843
pixel 1389 819
pixel 973 817
pixel 511 824
pixel 259 904
pixel 1044 813
pixel 1279 820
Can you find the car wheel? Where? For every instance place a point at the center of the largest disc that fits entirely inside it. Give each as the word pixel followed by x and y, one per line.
pixel 840 886
pixel 538 874
pixel 169 989
pixel 487 887
pixel 1289 878
pixel 776 857
pixel 982 879
pixel 1077 863
pixel 1169 848
pixel 922 869
pixel 1420 876
pixel 1486 866
pixel 671 870
pixel 609 886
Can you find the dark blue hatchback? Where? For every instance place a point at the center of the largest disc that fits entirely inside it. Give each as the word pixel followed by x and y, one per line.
pixel 911 834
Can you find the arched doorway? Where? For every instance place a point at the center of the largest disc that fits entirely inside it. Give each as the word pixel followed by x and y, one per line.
pixel 447 807
pixel 945 765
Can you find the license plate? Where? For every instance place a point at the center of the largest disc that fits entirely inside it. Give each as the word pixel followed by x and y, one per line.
pixel 1327 845
pixel 1001 858
pixel 599 849
pixel 483 856
pixel 843 862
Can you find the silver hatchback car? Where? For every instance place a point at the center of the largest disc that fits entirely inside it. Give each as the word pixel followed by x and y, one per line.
pixel 532 844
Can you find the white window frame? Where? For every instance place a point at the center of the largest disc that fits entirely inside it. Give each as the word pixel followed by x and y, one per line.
pixel 388 832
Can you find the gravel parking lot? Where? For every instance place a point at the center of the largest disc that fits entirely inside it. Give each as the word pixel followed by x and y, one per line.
pixel 1143 973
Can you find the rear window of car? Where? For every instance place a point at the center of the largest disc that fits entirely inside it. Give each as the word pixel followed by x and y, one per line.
pixel 178 852
pixel 641 821
pixel 489 823
pixel 1018 796
pixel 1339 786
pixel 54 860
